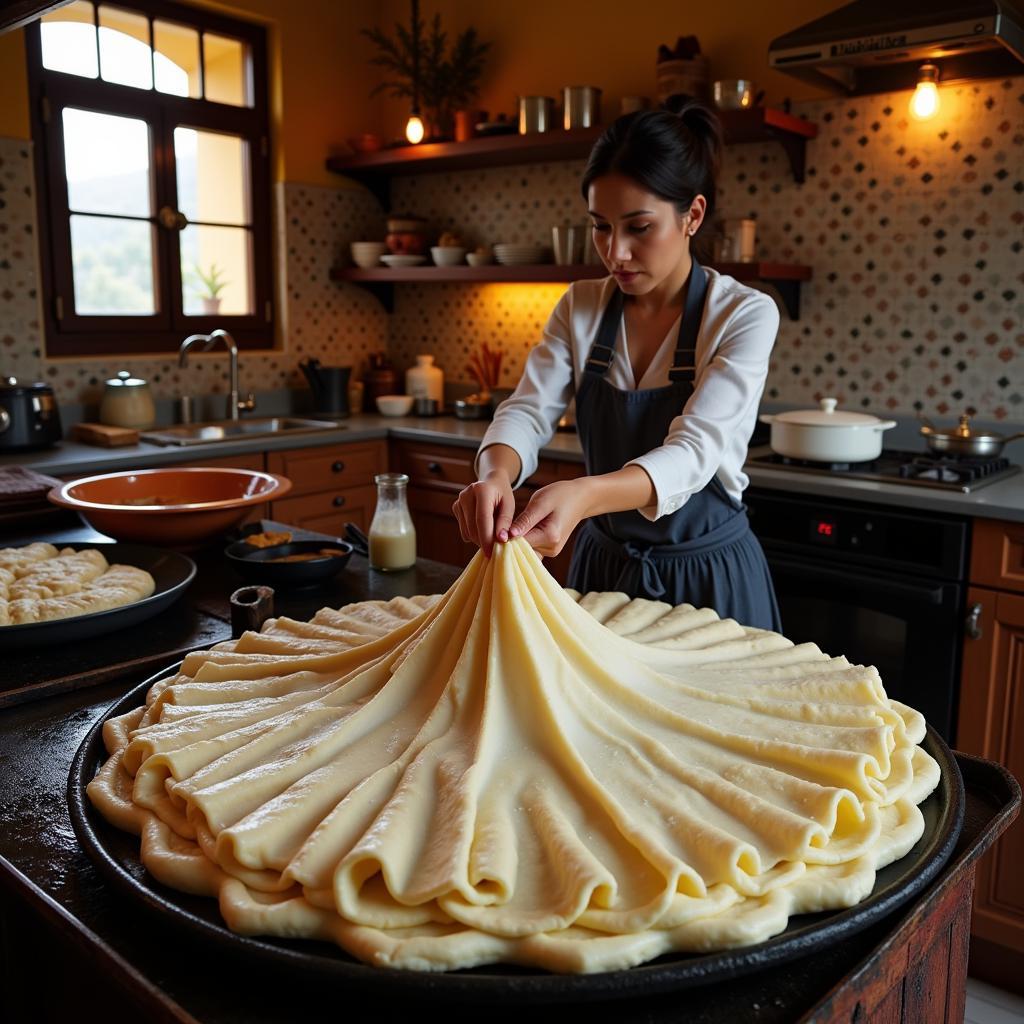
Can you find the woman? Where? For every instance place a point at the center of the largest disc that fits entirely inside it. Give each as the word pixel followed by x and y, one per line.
pixel 667 361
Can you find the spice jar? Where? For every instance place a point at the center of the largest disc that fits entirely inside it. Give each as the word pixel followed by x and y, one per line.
pixel 127 402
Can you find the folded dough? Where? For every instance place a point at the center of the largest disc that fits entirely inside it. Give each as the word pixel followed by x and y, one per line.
pixel 39 583
pixel 512 772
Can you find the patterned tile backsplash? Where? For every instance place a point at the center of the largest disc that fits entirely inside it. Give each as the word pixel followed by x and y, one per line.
pixel 914 231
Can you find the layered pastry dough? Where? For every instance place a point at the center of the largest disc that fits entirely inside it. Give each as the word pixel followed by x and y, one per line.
pixel 38 583
pixel 513 773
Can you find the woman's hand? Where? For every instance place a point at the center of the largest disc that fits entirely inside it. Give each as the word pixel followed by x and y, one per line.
pixel 485 510
pixel 553 513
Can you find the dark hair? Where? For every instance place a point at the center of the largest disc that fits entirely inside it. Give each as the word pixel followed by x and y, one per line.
pixel 673 153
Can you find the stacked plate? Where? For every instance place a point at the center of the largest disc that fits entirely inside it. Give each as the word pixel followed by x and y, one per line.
pixel 403 260
pixel 517 255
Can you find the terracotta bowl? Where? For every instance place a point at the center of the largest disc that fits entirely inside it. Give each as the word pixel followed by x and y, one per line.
pixel 172 507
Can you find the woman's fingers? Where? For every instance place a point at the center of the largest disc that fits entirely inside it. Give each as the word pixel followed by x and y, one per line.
pixel 484 521
pixel 503 517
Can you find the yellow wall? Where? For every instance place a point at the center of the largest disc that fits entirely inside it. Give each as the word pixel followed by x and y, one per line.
pixel 542 45
pixel 321 78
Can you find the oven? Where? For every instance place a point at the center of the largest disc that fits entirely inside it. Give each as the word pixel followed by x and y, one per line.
pixel 886 587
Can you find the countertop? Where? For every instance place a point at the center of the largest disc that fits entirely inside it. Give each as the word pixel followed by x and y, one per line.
pixel 1002 500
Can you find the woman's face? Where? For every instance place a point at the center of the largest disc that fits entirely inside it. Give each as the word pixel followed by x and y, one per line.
pixel 643 240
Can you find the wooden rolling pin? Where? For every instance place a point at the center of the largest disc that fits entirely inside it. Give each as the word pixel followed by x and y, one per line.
pixel 103 436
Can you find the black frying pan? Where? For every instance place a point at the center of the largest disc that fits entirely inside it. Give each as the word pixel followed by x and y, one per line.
pixel 258 565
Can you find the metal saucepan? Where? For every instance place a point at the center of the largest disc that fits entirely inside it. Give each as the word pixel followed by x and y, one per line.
pixel 825 435
pixel 962 441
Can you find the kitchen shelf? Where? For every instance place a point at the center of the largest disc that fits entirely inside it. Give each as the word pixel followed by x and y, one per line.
pixel 759 124
pixel 785 278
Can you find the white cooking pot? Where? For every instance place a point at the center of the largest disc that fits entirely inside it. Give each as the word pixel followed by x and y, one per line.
pixel 825 435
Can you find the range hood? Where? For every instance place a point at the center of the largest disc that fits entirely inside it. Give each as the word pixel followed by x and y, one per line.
pixel 872 46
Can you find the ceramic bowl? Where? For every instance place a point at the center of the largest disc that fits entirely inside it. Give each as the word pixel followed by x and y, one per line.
pixel 479 259
pixel 447 255
pixel 394 405
pixel 396 260
pixel 368 254
pixel 171 507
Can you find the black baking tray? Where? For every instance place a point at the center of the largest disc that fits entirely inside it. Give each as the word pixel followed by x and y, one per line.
pixel 172 572
pixel 116 854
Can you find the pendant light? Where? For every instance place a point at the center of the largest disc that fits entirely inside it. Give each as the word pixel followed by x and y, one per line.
pixel 925 101
pixel 414 126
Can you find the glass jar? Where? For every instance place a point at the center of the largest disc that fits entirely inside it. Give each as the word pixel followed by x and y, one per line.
pixel 392 535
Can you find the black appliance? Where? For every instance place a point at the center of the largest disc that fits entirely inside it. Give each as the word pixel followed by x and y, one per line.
pixel 29 417
pixel 920 469
pixel 881 586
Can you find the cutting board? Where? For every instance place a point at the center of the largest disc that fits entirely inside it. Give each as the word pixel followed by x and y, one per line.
pixel 103 436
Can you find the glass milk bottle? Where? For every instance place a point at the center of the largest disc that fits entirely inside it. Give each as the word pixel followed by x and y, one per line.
pixel 392 535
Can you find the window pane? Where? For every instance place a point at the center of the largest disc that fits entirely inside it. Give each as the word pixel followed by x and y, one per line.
pixel 106 160
pixel 213 175
pixel 69 40
pixel 125 56
pixel 176 59
pixel 227 69
pixel 216 270
pixel 112 260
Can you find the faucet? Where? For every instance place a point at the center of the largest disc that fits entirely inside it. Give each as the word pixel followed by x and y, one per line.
pixel 235 404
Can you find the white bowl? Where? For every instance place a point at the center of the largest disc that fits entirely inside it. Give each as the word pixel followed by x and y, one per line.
pixel 367 254
pixel 479 259
pixel 394 405
pixel 447 255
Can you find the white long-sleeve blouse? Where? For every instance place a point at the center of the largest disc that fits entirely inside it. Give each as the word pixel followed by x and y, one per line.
pixel 709 436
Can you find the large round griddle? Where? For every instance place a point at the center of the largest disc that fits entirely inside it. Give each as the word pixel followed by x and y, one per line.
pixel 172 572
pixel 116 854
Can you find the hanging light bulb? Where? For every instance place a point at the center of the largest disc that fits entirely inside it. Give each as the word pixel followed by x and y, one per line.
pixel 414 128
pixel 925 101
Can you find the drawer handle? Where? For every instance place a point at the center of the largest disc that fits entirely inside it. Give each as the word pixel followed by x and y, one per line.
pixel 338 467
pixel 972 627
pixel 339 500
pixel 434 467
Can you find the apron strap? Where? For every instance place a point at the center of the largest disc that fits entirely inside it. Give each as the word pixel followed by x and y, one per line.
pixel 602 352
pixel 684 363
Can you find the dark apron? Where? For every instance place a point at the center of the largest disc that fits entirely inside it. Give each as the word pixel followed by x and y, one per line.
pixel 704 553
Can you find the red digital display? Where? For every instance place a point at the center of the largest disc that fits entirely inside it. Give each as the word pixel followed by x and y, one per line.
pixel 824 531
pixel 825 528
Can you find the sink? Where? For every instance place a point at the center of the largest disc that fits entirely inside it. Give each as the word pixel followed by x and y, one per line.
pixel 227 430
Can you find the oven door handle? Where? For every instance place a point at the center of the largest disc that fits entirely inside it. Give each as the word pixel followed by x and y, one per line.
pixel 918 593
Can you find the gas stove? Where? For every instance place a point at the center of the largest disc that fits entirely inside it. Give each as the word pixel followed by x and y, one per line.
pixel 920 469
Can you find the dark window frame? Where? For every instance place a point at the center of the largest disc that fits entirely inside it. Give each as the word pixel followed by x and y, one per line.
pixel 70 334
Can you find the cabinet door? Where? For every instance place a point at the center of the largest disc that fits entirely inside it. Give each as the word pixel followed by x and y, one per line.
pixel 991 725
pixel 328 511
pixel 437 532
pixel 329 468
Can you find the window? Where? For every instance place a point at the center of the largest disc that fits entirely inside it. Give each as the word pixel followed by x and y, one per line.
pixel 152 165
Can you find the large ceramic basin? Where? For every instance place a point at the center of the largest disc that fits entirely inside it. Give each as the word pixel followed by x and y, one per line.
pixel 226 430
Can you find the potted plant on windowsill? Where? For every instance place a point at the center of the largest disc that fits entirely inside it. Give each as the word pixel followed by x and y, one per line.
pixel 213 283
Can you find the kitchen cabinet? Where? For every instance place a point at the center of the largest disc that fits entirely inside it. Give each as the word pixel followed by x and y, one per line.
pixel 437 472
pixel 375 170
pixel 331 486
pixel 991 725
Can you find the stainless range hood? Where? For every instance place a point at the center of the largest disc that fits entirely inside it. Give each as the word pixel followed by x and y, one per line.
pixel 874 46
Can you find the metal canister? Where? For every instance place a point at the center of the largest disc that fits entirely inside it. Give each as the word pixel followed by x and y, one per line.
pixel 535 114
pixel 582 106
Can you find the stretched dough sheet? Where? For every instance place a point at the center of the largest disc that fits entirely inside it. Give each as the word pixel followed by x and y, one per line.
pixel 512 772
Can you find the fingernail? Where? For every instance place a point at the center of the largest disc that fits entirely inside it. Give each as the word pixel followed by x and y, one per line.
pixel 514 532
pixel 503 536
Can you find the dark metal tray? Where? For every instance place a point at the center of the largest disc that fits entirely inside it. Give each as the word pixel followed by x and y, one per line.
pixel 116 854
pixel 171 571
